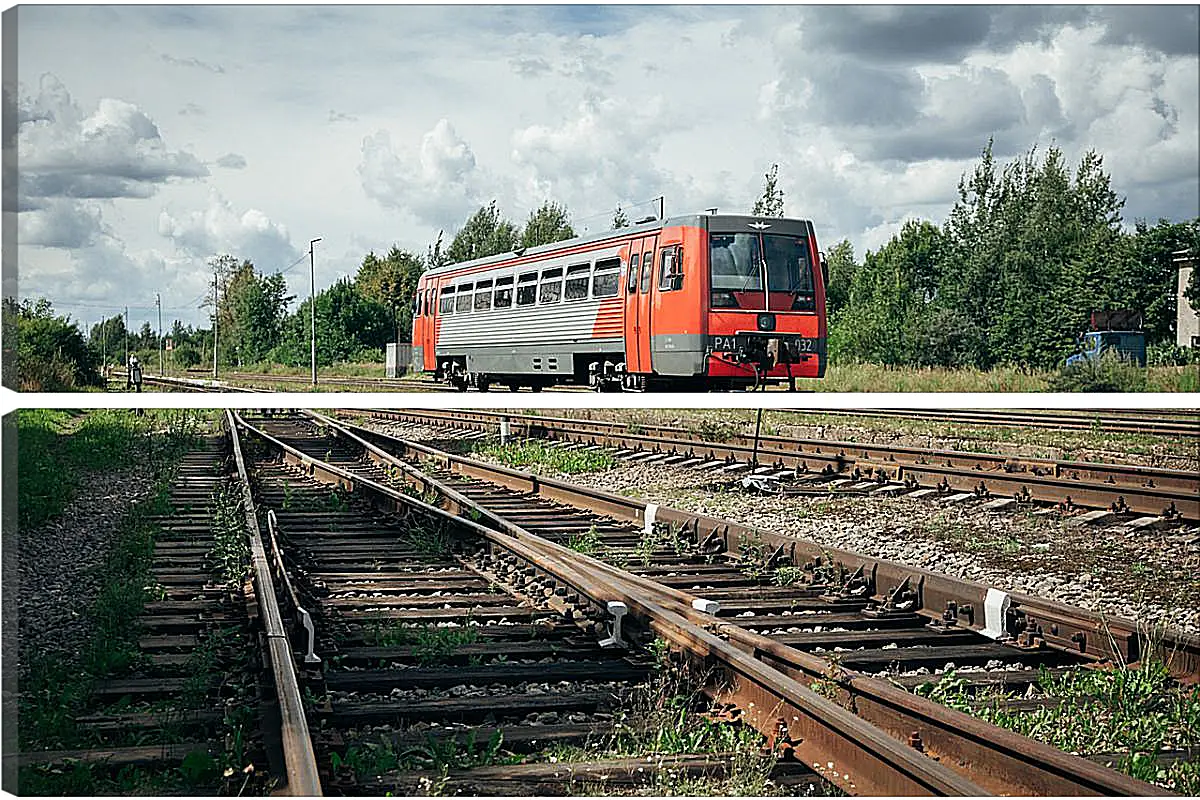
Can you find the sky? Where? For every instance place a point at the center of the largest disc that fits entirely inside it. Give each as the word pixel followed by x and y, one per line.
pixel 152 138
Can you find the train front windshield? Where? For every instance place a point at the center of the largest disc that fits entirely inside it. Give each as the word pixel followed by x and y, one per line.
pixel 761 272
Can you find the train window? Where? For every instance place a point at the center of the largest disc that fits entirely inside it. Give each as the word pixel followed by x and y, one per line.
pixel 527 289
pixel 483 295
pixel 446 304
pixel 670 273
pixel 504 287
pixel 647 268
pixel 551 288
pixel 577 282
pixel 607 278
pixel 462 302
pixel 633 274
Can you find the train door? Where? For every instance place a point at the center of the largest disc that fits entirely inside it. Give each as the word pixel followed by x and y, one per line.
pixel 638 286
pixel 429 329
pixel 630 291
pixel 646 286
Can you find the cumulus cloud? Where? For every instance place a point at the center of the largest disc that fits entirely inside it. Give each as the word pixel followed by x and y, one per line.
pixel 220 228
pixel 115 151
pixel 59 222
pixel 232 161
pixel 606 148
pixel 439 183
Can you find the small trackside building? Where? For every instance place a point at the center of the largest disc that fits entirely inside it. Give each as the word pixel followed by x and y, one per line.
pixel 1187 318
pixel 692 302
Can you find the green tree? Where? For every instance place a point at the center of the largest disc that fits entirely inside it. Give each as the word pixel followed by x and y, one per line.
pixel 486 233
pixel 251 315
pixel 885 320
pixel 52 355
pixel 108 338
pixel 435 256
pixel 620 219
pixel 392 281
pixel 350 327
pixel 1150 281
pixel 770 204
pixel 550 223
pixel 842 269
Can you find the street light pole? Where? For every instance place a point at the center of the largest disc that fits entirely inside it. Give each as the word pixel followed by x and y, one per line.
pixel 312 276
pixel 158 302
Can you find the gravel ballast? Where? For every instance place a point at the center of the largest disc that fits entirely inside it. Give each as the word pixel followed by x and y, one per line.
pixel 59 562
pixel 1152 576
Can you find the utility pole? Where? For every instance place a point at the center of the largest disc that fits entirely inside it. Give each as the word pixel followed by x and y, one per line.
pixel 312 277
pixel 215 315
pixel 662 206
pixel 126 337
pixel 158 302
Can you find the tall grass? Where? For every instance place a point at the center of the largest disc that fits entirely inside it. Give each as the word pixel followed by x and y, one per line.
pixel 56 448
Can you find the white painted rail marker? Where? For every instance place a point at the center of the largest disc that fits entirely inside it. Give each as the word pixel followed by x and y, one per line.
pixel 994 606
pixel 618 610
pixel 651 513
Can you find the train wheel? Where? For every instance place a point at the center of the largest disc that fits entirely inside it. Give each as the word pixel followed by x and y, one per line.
pixel 537 387
pixel 484 384
pixel 514 387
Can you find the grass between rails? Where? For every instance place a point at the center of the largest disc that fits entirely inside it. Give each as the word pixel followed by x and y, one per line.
pixel 665 716
pixel 1131 714
pixel 536 453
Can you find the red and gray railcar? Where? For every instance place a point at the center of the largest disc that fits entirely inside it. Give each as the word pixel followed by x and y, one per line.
pixel 695 302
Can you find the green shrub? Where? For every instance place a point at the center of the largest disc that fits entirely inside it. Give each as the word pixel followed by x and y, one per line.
pixel 1109 373
pixel 1166 354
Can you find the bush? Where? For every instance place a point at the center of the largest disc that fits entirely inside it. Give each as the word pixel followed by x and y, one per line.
pixel 1110 373
pixel 1166 354
pixel 51 353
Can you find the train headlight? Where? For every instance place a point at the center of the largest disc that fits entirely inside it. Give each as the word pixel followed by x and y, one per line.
pixel 766 322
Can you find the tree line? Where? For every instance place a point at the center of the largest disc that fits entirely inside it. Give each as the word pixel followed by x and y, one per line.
pixel 1027 251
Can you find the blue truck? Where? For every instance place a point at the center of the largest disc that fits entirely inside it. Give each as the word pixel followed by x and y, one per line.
pixel 1117 332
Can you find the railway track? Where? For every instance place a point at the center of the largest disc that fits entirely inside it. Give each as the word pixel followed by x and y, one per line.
pixel 1146 496
pixel 196 693
pixel 416 622
pixel 1158 422
pixel 675 584
pixel 439 671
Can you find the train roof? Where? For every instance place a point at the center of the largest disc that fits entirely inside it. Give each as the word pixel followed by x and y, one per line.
pixel 698 220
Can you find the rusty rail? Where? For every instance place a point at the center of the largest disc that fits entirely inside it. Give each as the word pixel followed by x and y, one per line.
pixel 1145 490
pixel 845 749
pixel 998 760
pixel 300 761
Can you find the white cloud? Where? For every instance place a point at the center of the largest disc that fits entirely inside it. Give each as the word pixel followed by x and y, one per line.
pixel 115 151
pixel 220 228
pixel 59 222
pixel 438 184
pixel 871 113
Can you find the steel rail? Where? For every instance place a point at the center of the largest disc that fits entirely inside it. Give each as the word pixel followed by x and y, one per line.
pixel 1000 760
pixel 1068 628
pixel 303 778
pixel 1143 490
pixel 845 749
pixel 1156 423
